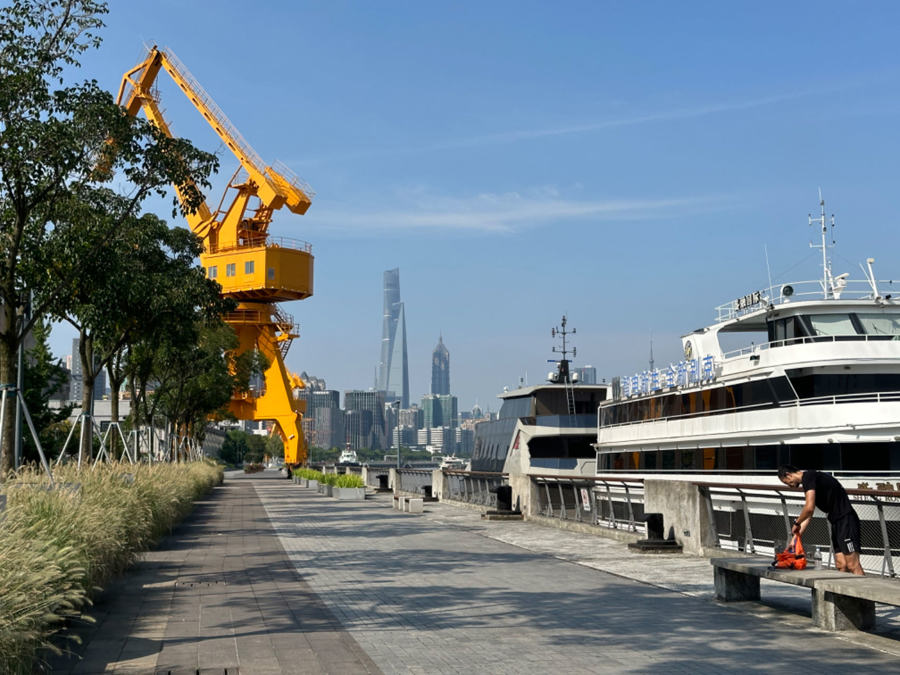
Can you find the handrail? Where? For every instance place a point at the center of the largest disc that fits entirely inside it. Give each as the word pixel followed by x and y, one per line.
pixel 595 479
pixel 809 339
pixel 462 472
pixel 855 289
pixel 779 489
pixel 265 241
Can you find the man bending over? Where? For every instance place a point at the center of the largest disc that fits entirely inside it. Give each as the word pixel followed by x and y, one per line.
pixel 825 493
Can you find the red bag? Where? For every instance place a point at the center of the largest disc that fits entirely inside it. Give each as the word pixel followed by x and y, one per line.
pixel 792 558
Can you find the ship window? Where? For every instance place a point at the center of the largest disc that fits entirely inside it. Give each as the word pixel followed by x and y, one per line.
pixel 767 457
pixel 248 267
pixel 230 270
pixel 832 324
pixel 734 458
pixel 213 271
pixel 271 272
pixel 880 324
pixel 668 459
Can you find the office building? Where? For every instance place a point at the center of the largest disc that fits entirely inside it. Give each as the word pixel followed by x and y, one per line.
pixel 393 369
pixel 586 374
pixel 440 369
pixel 439 411
pixel 365 422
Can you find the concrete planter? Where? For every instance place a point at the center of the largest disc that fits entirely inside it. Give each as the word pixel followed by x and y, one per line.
pixel 356 494
pixel 325 489
pixel 314 484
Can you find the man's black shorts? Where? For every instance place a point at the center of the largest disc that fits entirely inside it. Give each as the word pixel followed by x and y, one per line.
pixel 845 536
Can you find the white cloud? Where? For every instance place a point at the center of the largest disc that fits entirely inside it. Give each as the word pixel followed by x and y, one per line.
pixel 498 213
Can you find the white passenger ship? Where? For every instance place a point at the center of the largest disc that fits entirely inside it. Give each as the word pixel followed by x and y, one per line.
pixel 816 384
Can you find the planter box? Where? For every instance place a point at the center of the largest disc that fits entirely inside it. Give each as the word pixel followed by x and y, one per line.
pixel 357 494
pixel 325 489
pixel 313 483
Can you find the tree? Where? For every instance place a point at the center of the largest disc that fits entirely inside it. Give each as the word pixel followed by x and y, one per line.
pixel 145 280
pixel 57 146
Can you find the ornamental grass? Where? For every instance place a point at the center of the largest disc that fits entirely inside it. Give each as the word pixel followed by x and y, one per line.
pixel 59 545
pixel 349 480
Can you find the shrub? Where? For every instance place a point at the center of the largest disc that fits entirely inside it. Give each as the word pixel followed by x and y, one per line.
pixel 309 474
pixel 349 481
pixel 330 479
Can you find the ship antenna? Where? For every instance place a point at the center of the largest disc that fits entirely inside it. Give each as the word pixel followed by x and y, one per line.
pixel 563 368
pixel 822 221
pixel 651 352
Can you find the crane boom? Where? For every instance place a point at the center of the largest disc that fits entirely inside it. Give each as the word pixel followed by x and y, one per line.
pixel 256 272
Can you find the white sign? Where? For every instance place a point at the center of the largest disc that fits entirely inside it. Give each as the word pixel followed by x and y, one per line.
pixel 585 499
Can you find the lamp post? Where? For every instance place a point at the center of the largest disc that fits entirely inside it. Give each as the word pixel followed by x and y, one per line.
pixel 395 422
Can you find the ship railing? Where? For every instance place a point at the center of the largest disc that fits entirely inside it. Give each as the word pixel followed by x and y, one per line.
pixel 757 519
pixel 473 487
pixel 835 399
pixel 855 289
pixel 612 502
pixel 809 339
pixel 263 240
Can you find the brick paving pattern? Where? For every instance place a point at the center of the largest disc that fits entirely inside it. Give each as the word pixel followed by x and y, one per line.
pixel 355 587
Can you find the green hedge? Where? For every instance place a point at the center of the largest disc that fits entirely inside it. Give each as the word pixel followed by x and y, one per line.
pixel 59 545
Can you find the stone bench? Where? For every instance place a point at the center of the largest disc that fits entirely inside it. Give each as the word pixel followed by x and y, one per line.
pixel 409 504
pixel 840 601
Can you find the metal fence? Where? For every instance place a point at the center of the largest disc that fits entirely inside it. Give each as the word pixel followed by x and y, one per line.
pixel 757 519
pixel 473 487
pixel 611 502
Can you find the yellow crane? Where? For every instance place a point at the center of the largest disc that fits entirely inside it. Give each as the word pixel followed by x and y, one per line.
pixel 256 270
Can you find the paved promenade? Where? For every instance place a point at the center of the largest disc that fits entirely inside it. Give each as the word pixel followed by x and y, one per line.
pixel 268 577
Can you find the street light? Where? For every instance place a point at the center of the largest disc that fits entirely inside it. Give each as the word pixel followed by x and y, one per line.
pixel 395 405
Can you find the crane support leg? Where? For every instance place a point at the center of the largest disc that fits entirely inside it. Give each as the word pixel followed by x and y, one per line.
pixel 257 328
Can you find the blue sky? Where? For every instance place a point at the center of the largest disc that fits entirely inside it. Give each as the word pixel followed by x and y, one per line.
pixel 626 163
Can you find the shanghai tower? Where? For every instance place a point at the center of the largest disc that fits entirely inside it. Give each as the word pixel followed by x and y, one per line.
pixel 393 369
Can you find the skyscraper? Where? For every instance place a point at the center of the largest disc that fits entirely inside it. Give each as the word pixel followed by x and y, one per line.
pixel 393 369
pixel 440 368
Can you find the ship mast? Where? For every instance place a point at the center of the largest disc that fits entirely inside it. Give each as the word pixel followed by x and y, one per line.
pixel 562 374
pixel 822 221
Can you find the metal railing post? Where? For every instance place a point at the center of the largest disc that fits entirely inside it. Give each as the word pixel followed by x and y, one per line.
pixel 748 530
pixel 888 560
pixel 706 495
pixel 562 503
pixel 549 502
pixel 631 523
pixel 578 506
pixel 787 518
pixel 612 512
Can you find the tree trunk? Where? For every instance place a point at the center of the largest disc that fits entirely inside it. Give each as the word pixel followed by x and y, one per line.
pixel 8 378
pixel 86 353
pixel 115 385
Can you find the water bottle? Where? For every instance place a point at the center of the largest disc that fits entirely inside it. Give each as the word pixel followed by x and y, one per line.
pixel 817 558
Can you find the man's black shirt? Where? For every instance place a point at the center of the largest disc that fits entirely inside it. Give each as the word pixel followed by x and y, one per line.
pixel 830 495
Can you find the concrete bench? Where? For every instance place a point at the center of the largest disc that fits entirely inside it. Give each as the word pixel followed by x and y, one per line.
pixel 408 504
pixel 840 601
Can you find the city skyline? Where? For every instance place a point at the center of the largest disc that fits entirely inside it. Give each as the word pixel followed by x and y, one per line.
pixel 632 168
